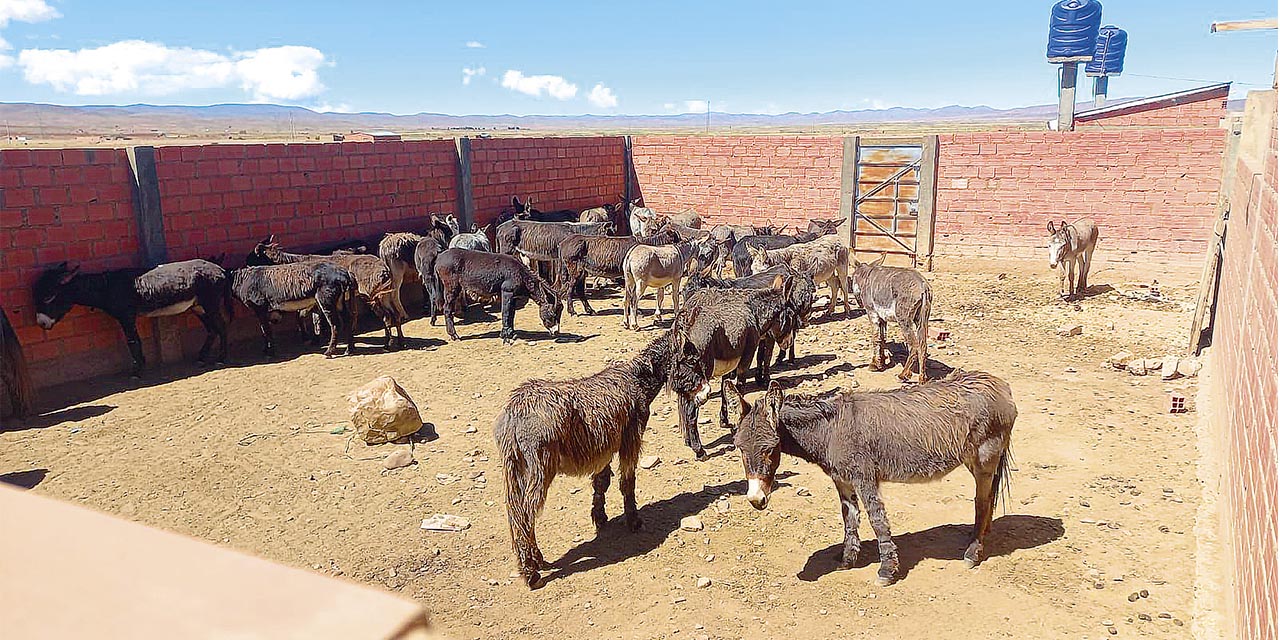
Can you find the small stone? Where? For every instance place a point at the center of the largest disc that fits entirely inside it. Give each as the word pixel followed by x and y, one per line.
pixel 704 420
pixel 401 457
pixel 710 557
pixel 1177 622
pixel 1188 367
pixel 476 475
pixel 803 492
pixel 649 462
pixel 722 505
pixel 704 582
pixel 1070 330
pixel 1120 359
pixel 1144 593
pixel 1137 367
pixel 1107 623
pixel 1145 617
pixel 1165 615
pixel 1084 504
pixel 469 429
pixel 1133 597
pixel 822 612
pixel 1112 630
pixel 691 523
pixel 1169 368
pixel 477 395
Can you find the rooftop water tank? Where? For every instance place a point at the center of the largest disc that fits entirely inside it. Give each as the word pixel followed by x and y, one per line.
pixel 1073 30
pixel 1108 53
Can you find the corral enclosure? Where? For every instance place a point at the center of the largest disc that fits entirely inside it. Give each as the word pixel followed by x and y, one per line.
pixel 1150 177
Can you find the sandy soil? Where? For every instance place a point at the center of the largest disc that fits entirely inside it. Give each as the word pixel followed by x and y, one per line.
pixel 1102 506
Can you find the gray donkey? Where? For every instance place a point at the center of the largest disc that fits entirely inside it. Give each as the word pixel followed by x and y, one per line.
pixel 903 295
pixel 860 440
pixel 1072 244
pixel 574 427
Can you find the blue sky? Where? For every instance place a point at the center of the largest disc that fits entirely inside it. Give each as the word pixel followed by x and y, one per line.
pixel 597 57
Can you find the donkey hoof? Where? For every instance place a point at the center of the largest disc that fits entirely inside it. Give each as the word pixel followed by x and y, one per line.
pixel 533 580
pixel 701 455
pixel 883 580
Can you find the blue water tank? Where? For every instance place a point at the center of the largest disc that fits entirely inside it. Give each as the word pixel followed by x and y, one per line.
pixel 1073 28
pixel 1108 53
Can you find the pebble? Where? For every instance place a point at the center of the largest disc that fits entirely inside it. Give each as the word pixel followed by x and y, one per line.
pixel 691 523
pixel 1144 593
pixel 1145 617
pixel 649 462
pixel 1133 597
pixel 469 429
pixel 803 492
pixel 704 582
pixel 1165 615
pixel 398 458
pixel 710 557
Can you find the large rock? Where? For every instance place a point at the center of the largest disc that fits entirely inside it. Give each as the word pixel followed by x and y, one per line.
pixel 1120 360
pixel 1137 367
pixel 1188 367
pixel 381 411
pixel 1169 368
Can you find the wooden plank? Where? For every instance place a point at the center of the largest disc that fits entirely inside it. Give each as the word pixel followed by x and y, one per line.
pixel 928 200
pixel 1242 25
pixel 849 187
pixel 146 205
pixel 466 203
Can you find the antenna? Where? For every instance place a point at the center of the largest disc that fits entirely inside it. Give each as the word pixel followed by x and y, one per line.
pixel 707 129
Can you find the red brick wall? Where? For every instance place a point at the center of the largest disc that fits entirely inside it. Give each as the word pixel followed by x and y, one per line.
pixel 1244 362
pixel 1203 114
pixel 1151 192
pixel 558 173
pixel 74 205
pixel 741 179
pixel 224 198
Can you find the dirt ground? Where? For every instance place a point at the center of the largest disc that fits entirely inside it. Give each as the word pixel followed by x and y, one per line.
pixel 1103 501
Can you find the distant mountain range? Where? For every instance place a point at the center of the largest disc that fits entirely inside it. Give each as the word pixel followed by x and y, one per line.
pixel 48 120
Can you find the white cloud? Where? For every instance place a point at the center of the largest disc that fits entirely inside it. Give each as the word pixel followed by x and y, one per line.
pixel 554 86
pixel 695 106
pixel 602 96
pixel 22 11
pixel 669 106
pixel 286 73
pixel 341 107
pixel 470 72
pixel 472 44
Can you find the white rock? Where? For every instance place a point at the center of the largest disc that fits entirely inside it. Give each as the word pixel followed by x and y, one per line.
pixel 1189 367
pixel 649 462
pixel 1169 368
pixel 469 429
pixel 1070 330
pixel 445 522
pixel 1120 360
pixel 691 523
pixel 704 582
pixel 1137 367
pixel 401 457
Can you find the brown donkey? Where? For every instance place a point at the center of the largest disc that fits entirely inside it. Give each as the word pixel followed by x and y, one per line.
pixel 900 294
pixel 860 440
pixel 574 427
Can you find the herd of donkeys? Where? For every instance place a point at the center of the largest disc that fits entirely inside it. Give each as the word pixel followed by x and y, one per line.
pixel 720 327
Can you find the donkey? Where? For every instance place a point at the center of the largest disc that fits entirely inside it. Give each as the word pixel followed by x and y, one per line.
pixel 538 242
pixel 18 397
pixel 608 212
pixel 487 275
pixel 717 335
pixel 685 232
pixel 641 219
pixel 687 218
pixel 476 240
pixel 373 280
pixel 600 256
pixel 860 440
pixel 574 427
pixel 1072 245
pixel 660 267
pixel 526 211
pixel 298 287
pixel 170 289
pixel 397 252
pixel 825 259
pixel 742 257
pixel 802 294
pixel 903 295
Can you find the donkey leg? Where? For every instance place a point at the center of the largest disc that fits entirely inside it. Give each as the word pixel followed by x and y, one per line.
pixel 877 359
pixel 522 512
pixel 983 505
pixel 450 296
pixel 508 332
pixel 1071 278
pixel 333 317
pixel 628 460
pixel 657 310
pixel 850 513
pixel 869 492
pixel 264 323
pixel 206 319
pixel 1085 259
pixel 599 485
pixel 129 325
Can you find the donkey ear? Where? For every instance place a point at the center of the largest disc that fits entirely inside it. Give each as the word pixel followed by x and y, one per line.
pixel 515 201
pixel 773 397
pixel 689 349
pixel 879 261
pixel 779 283
pixel 734 404
pixel 1051 229
pixel 68 274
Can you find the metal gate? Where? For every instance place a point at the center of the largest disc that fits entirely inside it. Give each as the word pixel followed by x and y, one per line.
pixel 888 196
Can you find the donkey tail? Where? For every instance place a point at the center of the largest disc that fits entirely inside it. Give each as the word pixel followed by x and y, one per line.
pixel 514 472
pixel 1000 482
pixel 14 374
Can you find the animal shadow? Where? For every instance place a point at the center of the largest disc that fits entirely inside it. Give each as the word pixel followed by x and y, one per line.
pixel 788 382
pixel 615 544
pixel 898 352
pixel 52 418
pixel 825 317
pixel 1089 292
pixel 24 479
pixel 944 542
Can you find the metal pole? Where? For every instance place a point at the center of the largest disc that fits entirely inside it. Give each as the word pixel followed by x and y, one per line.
pixel 1099 91
pixel 1067 97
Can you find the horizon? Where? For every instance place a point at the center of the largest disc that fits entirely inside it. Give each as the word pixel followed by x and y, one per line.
pixel 674 59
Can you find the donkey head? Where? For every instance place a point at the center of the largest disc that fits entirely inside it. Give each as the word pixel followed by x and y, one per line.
pixel 824 226
pixel 550 308
pixel 1059 243
pixel 759 259
pixel 261 254
pixel 51 296
pixel 756 438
